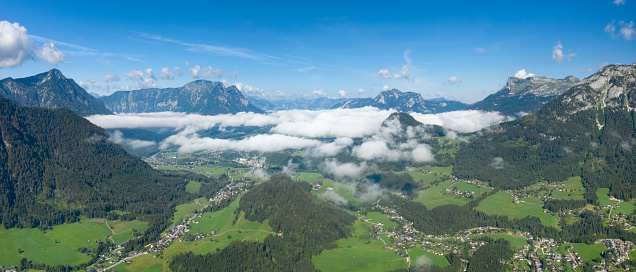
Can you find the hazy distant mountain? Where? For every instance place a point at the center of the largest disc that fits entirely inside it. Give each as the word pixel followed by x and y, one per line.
pixel 589 131
pixel 201 96
pixel 303 103
pixel 522 96
pixel 404 101
pixel 51 90
pixel 56 166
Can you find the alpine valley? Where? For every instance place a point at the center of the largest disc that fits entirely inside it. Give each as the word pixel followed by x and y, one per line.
pixel 539 176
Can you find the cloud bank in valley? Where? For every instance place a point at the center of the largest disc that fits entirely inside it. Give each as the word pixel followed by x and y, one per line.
pixel 302 129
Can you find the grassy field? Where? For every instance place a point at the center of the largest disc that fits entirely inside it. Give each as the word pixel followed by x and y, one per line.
pixel 603 197
pixel 339 188
pixel 218 169
pixel 223 223
pixel 421 257
pixel 516 242
pixel 193 187
pixel 123 229
pixel 184 210
pixel 625 207
pixel 171 168
pixel 501 203
pixel 359 253
pixel 378 217
pixel 422 177
pixel 589 252
pixel 464 186
pixel 54 247
pixel 434 196
pixel 143 263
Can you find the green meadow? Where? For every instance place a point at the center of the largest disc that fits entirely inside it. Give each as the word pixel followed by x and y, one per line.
pixel 219 169
pixel 589 252
pixel 193 187
pixel 424 178
pixel 123 229
pixel 359 253
pixel 603 197
pixel 376 217
pixel 437 196
pixel 143 263
pixel 421 257
pixel 501 203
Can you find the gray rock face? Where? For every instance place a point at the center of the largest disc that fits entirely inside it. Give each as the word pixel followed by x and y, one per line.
pixel 51 90
pixel 201 97
pixel 524 96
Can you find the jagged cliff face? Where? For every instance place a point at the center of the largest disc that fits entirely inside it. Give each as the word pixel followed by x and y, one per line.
pixel 524 96
pixel 614 86
pixel 404 101
pixel 201 96
pixel 51 90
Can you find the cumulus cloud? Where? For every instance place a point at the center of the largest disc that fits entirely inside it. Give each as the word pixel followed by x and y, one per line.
pixel 331 149
pixel 318 93
pixel 189 141
pixel 463 121
pixel 111 77
pixel 342 93
pixel 194 71
pixel 134 74
pixel 498 163
pixel 523 74
pixel 118 138
pixel 15 44
pixel 344 170
pixel 166 73
pixel 369 192
pixel 247 89
pixel 558 55
pixel 259 173
pixel 208 72
pixel 454 81
pixel 385 87
pixel 405 73
pixel 50 54
pixel 627 30
pixel 146 80
pixel 360 90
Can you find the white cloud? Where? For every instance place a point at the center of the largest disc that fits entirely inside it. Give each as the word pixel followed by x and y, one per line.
pixel 259 173
pixel 194 71
pixel 111 77
pixel 384 73
pixel 208 72
pixel 189 141
pixel 385 87
pixel 342 93
pixel 166 73
pixel 187 63
pixel 233 74
pixel 344 170
pixel 360 90
pixel 177 71
pixel 523 74
pixel 149 73
pixel 247 89
pixel 331 149
pixel 627 30
pixel 480 50
pixel 82 84
pixel 454 81
pixel 463 121
pixel 50 54
pixel 498 163
pixel 405 73
pixel 318 93
pixel 335 198
pixel 557 53
pixel 15 44
pixel 619 2
pixel 135 74
pixel 118 138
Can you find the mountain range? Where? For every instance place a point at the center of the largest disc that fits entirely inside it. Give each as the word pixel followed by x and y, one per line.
pixel 51 90
pixel 403 101
pixel 201 97
pixel 302 103
pixel 522 96
pixel 588 131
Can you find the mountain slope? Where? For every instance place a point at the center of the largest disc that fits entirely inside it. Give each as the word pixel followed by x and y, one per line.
pixel 404 101
pixel 56 165
pixel 590 131
pixel 523 96
pixel 201 96
pixel 51 90
pixel 303 103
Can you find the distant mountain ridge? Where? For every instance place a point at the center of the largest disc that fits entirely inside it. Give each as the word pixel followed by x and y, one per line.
pixel 303 103
pixel 51 90
pixel 200 97
pixel 405 102
pixel 589 131
pixel 523 96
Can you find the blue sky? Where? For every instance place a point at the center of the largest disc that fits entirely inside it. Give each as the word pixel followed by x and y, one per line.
pixel 461 50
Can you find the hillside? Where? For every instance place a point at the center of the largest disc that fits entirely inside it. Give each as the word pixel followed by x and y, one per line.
pixel 588 131
pixel 403 101
pixel 51 90
pixel 523 96
pixel 201 97
pixel 56 166
pixel 303 103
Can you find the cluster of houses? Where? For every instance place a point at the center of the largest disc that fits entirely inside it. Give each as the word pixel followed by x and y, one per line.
pixel 466 194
